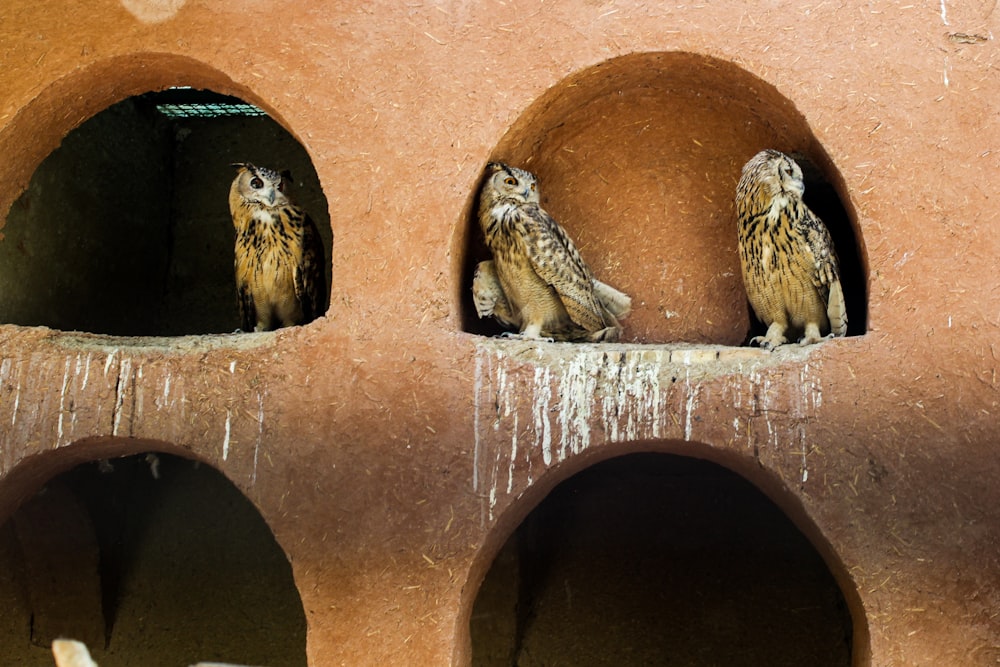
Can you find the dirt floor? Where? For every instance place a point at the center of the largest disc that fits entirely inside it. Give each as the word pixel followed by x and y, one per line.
pixel 188 572
pixel 659 560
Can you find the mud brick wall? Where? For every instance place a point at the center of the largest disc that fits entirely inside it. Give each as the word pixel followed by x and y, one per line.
pixel 392 447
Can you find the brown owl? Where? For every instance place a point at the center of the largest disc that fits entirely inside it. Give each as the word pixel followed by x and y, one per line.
pixel 537 281
pixel 280 264
pixel 790 268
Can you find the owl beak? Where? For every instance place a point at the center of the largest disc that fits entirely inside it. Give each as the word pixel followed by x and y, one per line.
pixel 271 195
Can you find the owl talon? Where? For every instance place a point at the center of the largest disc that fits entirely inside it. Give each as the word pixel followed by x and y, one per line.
pixel 521 336
pixel 607 335
pixel 811 340
pixel 813 336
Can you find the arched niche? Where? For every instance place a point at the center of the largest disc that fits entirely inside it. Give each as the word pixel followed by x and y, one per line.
pixel 150 558
pixel 123 227
pixel 658 558
pixel 638 157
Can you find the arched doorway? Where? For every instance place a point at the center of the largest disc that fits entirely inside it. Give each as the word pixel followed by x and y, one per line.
pixel 638 158
pixel 124 227
pixel 658 559
pixel 151 559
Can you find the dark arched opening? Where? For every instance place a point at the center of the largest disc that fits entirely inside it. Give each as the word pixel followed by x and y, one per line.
pixel 655 559
pixel 124 229
pixel 150 559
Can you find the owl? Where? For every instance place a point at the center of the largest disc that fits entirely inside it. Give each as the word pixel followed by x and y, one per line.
pixel 537 282
pixel 280 279
pixel 790 268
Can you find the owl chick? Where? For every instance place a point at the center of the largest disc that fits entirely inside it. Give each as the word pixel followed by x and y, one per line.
pixel 280 278
pixel 790 268
pixel 537 281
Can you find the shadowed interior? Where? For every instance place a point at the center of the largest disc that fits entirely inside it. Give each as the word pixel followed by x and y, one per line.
pixel 655 559
pixel 125 228
pixel 169 565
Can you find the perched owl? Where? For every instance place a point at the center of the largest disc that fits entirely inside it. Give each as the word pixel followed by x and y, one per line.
pixel 789 264
pixel 537 282
pixel 280 278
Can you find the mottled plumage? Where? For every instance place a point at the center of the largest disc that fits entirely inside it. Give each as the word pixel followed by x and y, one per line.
pixel 280 279
pixel 490 299
pixel 537 282
pixel 790 268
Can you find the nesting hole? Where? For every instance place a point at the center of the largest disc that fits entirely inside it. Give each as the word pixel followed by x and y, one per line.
pixel 655 559
pixel 151 560
pixel 125 228
pixel 638 158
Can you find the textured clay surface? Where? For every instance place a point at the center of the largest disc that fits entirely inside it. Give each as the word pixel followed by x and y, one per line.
pixel 393 450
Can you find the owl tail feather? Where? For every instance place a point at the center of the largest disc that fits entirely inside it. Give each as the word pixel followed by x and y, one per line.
pixel 836 310
pixel 617 303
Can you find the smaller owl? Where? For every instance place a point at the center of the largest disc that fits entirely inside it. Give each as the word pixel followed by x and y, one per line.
pixel 280 279
pixel 537 282
pixel 488 296
pixel 790 268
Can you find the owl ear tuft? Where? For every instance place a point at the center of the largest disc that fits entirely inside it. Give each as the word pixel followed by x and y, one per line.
pixel 243 165
pixel 494 167
pixel 286 174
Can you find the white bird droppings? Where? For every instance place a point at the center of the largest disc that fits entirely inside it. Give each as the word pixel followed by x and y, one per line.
pixel 573 397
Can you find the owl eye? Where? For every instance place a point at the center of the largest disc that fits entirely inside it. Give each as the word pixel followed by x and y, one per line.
pixel 281 186
pixel 532 187
pixel 256 183
pixel 510 180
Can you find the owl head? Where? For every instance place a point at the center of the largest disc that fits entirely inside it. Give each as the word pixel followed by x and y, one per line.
pixel 777 170
pixel 260 185
pixel 505 182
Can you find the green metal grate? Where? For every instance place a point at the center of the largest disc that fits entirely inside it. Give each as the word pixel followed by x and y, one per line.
pixel 184 102
pixel 208 110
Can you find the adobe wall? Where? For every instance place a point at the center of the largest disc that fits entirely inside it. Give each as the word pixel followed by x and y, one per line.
pixel 392 449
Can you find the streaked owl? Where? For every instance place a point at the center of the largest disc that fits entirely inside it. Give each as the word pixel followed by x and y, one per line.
pixel 280 279
pixel 790 268
pixel 537 282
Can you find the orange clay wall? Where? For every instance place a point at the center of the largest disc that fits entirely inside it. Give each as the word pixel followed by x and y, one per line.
pixel 377 441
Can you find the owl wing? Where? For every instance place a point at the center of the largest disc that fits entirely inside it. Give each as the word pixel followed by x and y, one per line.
pixel 244 299
pixel 489 298
pixel 248 310
pixel 310 275
pixel 556 260
pixel 822 258
pixel 826 271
